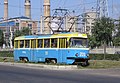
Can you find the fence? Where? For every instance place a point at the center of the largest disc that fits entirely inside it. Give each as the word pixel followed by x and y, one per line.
pixel 109 50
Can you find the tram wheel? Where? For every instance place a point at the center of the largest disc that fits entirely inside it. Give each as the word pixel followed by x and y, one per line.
pixel 24 59
pixel 86 63
pixel 53 61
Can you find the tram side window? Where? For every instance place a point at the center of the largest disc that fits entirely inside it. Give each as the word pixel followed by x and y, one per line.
pixel 27 43
pixel 46 43
pixel 16 44
pixel 40 42
pixel 21 43
pixel 53 43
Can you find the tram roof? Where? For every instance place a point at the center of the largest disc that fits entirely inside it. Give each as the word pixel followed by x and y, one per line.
pixel 44 36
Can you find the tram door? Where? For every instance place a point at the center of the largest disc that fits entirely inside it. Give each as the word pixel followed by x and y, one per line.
pixel 33 46
pixel 62 47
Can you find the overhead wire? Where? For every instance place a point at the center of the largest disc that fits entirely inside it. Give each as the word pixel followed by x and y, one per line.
pixel 58 4
pixel 63 3
pixel 80 7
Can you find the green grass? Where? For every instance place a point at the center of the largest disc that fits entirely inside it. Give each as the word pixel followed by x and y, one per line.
pixel 94 64
pixel 100 64
pixel 6 59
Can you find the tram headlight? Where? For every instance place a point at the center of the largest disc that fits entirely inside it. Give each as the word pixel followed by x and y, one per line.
pixel 87 55
pixel 76 54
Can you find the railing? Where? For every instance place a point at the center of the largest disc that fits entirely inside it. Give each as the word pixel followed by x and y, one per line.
pixel 109 50
pixel 100 50
pixel 6 49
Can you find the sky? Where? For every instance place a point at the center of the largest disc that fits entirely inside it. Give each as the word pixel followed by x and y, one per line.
pixel 16 7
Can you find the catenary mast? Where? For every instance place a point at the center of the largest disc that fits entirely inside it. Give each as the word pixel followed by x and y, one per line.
pixel 102 8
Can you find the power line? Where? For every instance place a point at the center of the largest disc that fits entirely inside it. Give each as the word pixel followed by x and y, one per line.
pixel 58 5
pixel 65 1
pixel 19 8
pixel 80 4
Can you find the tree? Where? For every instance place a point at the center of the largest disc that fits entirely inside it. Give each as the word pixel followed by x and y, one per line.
pixel 93 42
pixel 102 32
pixel 17 33
pixel 24 31
pixel 116 38
pixel 1 38
pixel 116 41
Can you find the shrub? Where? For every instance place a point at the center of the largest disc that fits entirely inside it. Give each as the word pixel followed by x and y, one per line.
pixel 6 53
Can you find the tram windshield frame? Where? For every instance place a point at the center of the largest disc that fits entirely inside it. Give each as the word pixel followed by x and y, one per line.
pixel 78 42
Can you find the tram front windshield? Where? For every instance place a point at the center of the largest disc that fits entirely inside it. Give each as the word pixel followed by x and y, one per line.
pixel 78 43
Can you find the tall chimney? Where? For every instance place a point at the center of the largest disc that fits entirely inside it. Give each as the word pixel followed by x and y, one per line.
pixel 5 9
pixel 47 16
pixel 27 8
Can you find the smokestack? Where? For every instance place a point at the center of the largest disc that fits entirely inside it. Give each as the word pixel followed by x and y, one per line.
pixel 47 16
pixel 27 8
pixel 5 9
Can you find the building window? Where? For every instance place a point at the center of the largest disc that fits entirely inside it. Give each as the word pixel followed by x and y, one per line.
pixel 17 24
pixel 29 25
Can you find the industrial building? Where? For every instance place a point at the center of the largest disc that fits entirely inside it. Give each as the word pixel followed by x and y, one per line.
pixel 49 22
pixel 89 21
pixel 10 25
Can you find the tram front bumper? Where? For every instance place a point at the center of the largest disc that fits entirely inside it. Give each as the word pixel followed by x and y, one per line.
pixel 78 59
